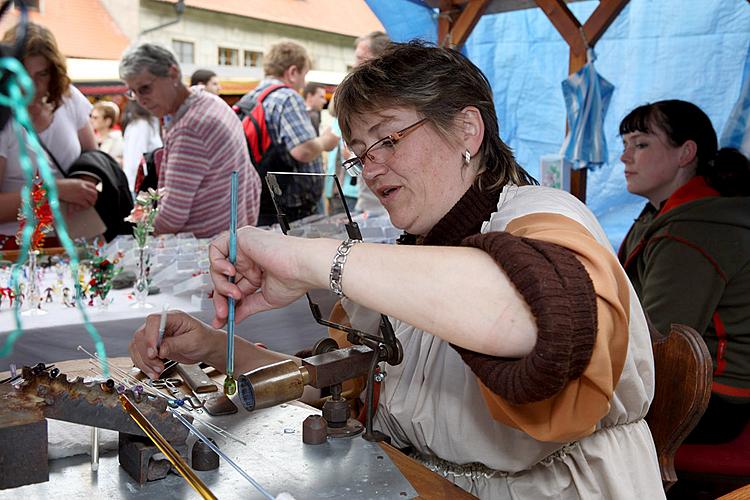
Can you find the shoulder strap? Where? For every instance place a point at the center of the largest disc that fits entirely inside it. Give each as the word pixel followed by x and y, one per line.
pixel 268 90
pixel 54 160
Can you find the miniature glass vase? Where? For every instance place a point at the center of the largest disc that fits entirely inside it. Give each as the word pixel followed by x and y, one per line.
pixel 102 303
pixel 32 297
pixel 140 288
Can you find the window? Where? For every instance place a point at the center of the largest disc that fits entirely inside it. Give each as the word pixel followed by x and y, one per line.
pixel 30 4
pixel 184 51
pixel 229 57
pixel 253 59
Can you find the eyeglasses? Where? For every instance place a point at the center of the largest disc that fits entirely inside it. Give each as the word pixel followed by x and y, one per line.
pixel 381 151
pixel 141 91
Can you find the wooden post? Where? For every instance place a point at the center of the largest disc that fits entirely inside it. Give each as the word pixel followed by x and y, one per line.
pixel 457 20
pixel 579 38
pixel 458 17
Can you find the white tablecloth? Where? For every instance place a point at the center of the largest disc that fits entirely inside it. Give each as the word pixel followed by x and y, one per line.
pixel 56 335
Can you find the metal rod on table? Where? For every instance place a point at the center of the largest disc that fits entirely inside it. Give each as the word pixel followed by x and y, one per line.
pixel 94 449
pixel 223 455
pixel 230 385
pixel 127 378
pixel 166 448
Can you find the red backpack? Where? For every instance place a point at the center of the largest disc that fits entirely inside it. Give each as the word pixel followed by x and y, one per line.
pixel 266 155
pixel 254 125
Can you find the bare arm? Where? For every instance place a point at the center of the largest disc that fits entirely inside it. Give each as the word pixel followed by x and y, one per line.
pixel 86 138
pixel 9 202
pixel 309 150
pixel 458 294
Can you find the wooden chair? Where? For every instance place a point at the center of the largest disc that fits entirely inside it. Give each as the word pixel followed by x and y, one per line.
pixel 738 494
pixel 683 386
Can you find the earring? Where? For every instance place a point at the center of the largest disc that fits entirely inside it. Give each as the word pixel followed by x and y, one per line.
pixel 467 158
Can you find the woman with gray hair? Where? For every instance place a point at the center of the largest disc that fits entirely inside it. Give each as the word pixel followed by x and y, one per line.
pixel 203 144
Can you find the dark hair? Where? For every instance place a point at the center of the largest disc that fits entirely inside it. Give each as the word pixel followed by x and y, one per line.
pixel 311 88
pixel 201 76
pixel 41 42
pixel 438 83
pixel 134 111
pixel 726 170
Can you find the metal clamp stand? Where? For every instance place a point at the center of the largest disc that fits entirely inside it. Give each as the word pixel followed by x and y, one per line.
pixel 387 346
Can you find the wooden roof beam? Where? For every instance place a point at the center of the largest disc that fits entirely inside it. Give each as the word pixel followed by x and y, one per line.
pixel 566 23
pixel 457 20
pixel 579 38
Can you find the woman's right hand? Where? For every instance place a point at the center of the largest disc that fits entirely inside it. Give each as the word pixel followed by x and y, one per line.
pixel 82 194
pixel 268 273
pixel 186 340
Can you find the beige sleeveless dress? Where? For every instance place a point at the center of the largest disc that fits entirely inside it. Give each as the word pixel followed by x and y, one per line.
pixel 433 402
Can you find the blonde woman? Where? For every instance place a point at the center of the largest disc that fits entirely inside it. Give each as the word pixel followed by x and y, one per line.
pixel 104 117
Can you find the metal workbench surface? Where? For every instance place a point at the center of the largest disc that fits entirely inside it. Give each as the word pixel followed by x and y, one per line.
pixel 274 456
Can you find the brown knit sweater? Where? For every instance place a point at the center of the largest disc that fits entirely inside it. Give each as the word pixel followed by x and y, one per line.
pixel 553 282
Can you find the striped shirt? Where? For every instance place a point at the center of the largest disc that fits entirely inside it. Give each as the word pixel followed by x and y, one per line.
pixel 203 144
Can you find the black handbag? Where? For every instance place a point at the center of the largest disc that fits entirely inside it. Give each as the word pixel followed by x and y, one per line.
pixel 114 202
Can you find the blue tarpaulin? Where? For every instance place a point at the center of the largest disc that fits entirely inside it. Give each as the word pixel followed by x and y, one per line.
pixel 737 129
pixel 668 49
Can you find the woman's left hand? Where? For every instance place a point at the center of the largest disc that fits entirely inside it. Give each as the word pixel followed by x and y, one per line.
pixel 268 272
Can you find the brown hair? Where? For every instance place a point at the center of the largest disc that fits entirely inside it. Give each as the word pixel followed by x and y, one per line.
pixel 41 42
pixel 438 83
pixel 727 170
pixel 283 55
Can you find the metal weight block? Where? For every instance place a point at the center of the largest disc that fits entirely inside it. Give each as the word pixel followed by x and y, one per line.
pixel 136 454
pixel 23 454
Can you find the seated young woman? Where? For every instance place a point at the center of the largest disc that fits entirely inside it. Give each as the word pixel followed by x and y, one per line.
pixel 688 253
pixel 527 367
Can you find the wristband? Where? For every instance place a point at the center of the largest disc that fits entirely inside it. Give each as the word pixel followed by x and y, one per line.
pixel 337 268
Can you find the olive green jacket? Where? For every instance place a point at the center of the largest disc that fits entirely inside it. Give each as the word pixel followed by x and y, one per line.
pixel 690 263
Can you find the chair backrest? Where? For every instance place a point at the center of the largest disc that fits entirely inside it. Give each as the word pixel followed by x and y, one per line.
pixel 683 386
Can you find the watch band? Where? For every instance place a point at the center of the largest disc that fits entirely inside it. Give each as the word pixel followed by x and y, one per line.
pixel 337 267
